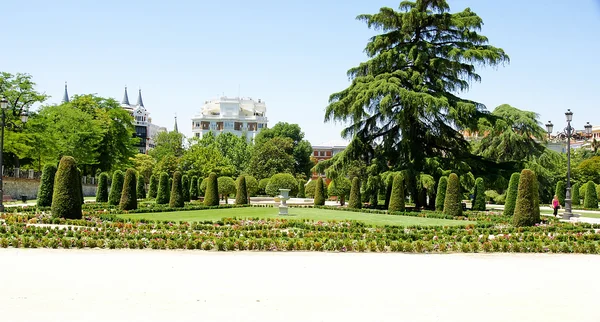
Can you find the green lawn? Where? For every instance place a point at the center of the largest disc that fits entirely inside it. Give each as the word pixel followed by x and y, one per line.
pixel 295 213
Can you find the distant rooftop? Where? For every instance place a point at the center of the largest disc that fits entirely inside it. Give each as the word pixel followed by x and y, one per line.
pixel 333 143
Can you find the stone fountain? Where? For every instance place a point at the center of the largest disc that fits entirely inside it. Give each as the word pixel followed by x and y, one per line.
pixel 283 197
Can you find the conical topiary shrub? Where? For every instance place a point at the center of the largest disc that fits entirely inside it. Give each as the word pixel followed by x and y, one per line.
pixel 79 178
pixel 211 196
pixel 301 192
pixel 319 199
pixel 102 190
pixel 511 194
pixel 525 212
pixel 162 194
pixel 479 199
pixel 241 197
pixel 114 197
pixel 185 187
pixel 561 192
pixel 441 193
pixel 176 200
pixel 44 198
pixel 388 190
pixel 66 197
pixel 397 195
pixel 591 197
pixel 194 188
pixel 153 188
pixel 141 187
pixel 355 200
pixel 453 202
pixel 576 200
pixel 129 194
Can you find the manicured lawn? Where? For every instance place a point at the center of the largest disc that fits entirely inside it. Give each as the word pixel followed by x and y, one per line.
pixel 295 213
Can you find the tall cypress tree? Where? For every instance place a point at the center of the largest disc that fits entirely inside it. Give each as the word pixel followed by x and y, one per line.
pixel 211 197
pixel 176 199
pixel 441 193
pixel 511 194
pixel 479 199
pixel 397 194
pixel 241 197
pixel 116 188
pixel 141 187
pixel 561 192
pixel 453 202
pixel 301 192
pixel 525 212
pixel 194 188
pixel 153 188
pixel 319 199
pixel 355 201
pixel 185 187
pixel 66 197
pixel 162 194
pixel 576 200
pixel 128 199
pixel 102 190
pixel 44 198
pixel 591 196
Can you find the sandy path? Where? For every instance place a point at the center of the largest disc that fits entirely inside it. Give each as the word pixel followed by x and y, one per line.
pixel 125 285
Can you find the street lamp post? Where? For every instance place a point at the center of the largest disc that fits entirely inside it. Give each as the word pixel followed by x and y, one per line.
pixel 24 115
pixel 568 202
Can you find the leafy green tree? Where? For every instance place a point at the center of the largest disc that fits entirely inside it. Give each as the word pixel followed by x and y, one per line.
pixel 561 191
pixel 309 189
pixel 252 185
pixel 340 187
pixel 588 170
pixel 153 188
pixel 576 200
pixel 176 199
pixel 102 190
pixel 144 164
pixel 211 196
pixel 168 164
pixel 301 149
pixel 162 193
pixel 201 159
pixel 301 192
pixel 441 193
pixel 185 188
pixel 226 186
pixel 453 202
pixel 129 194
pixel 402 103
pixel 479 199
pixel 591 196
pixel 282 181
pixel 44 198
pixel 397 196
pixel 525 212
pixel 272 157
pixel 511 194
pixel 319 199
pixel 167 144
pixel 235 149
pixel 202 186
pixel 66 197
pixel 241 197
pixel 114 197
pixel 262 186
pixel 194 188
pixel 355 200
pixel 141 187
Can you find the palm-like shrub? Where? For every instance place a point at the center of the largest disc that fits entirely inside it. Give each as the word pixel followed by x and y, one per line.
pixel 479 199
pixel 561 191
pixel 128 199
pixel 575 199
pixel 282 181
pixel 453 200
pixel 66 196
pixel 301 192
pixel 153 188
pixel 241 197
pixel 44 198
pixel 226 186
pixel 591 196
pixel 355 201
pixel 441 193
pixel 162 194
pixel 185 187
pixel 527 197
pixel 397 195
pixel 194 188
pixel 141 187
pixel 319 198
pixel 211 197
pixel 114 197
pixel 102 190
pixel 511 194
pixel 176 198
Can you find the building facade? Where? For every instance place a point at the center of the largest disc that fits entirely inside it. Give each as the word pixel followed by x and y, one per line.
pixel 243 117
pixel 325 151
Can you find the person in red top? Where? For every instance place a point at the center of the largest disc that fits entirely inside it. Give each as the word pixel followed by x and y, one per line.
pixel 555 205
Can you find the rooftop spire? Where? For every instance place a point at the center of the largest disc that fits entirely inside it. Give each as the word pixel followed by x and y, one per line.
pixel 175 128
pixel 65 98
pixel 140 102
pixel 125 97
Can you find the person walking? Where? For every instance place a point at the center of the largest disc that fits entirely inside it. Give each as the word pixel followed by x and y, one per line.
pixel 555 205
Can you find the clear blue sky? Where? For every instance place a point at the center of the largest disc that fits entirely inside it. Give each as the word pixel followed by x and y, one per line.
pixel 291 54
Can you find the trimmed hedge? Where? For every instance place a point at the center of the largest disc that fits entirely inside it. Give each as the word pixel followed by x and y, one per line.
pixel 176 199
pixel 397 195
pixel 66 196
pixel 282 181
pixel 479 199
pixel 441 193
pixel 162 194
pixel 575 199
pixel 319 199
pixel 153 189
pixel 301 192
pixel 202 186
pixel 591 196
pixel 241 197
pixel 79 179
pixel 141 187
pixel 185 188
pixel 355 201
pixel 194 188
pixel 527 197
pixel 262 186
pixel 114 197
pixel 453 200
pixel 44 198
pixel 102 190
pixel 561 192
pixel 309 189
pixel 129 194
pixel 511 194
pixel 211 197
pixel 251 186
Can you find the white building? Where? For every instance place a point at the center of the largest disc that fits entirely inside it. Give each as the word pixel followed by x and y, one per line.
pixel 144 129
pixel 243 117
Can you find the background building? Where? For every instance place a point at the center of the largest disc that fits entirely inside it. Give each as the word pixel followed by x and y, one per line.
pixel 327 150
pixel 243 117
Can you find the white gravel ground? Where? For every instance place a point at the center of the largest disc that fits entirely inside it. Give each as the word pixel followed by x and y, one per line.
pixel 125 285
